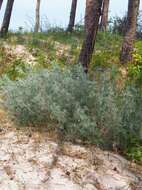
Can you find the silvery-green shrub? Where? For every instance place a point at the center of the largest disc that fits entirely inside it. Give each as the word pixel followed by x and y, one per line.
pixel 95 111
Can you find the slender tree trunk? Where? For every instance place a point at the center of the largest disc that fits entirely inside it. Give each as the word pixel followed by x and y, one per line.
pixel 7 17
pixel 37 19
pixel 1 1
pixel 104 18
pixel 92 18
pixel 72 16
pixel 128 43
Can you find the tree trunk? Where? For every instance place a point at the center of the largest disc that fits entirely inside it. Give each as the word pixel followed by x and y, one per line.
pixel 7 17
pixel 72 16
pixel 128 43
pixel 1 1
pixel 92 17
pixel 104 18
pixel 37 19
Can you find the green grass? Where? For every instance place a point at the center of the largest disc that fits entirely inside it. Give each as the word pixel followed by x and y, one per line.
pixel 61 47
pixel 107 45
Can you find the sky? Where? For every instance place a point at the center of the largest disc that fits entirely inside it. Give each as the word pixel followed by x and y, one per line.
pixel 54 12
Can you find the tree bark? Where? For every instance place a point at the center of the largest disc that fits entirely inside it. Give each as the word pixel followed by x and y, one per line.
pixel 104 17
pixel 128 42
pixel 92 18
pixel 37 19
pixel 1 1
pixel 7 17
pixel 72 16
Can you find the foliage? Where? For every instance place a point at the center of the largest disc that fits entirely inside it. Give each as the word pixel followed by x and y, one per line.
pixel 10 65
pixel 63 48
pixel 99 111
pixel 135 153
pixel 17 69
pixel 95 111
pixel 119 25
pixel 107 50
pixel 135 69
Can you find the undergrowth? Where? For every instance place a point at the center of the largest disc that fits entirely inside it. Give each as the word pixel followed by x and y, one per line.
pixel 95 111
pixel 105 111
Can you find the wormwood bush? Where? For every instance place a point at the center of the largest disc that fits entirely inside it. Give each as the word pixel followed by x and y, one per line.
pixel 91 110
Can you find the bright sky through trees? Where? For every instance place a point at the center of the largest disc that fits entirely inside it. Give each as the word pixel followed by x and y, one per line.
pixel 57 11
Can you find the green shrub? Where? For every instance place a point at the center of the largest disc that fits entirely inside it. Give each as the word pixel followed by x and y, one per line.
pixel 17 69
pixel 135 69
pixel 107 50
pixel 119 25
pixel 94 111
pixel 135 153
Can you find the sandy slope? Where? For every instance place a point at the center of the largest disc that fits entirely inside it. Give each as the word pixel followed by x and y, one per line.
pixel 35 161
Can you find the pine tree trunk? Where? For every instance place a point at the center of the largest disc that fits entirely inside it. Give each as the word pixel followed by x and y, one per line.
pixel 1 1
pixel 104 18
pixel 92 18
pixel 7 17
pixel 37 19
pixel 72 16
pixel 128 43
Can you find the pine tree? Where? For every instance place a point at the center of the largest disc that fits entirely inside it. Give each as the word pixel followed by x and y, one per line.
pixel 128 43
pixel 92 17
